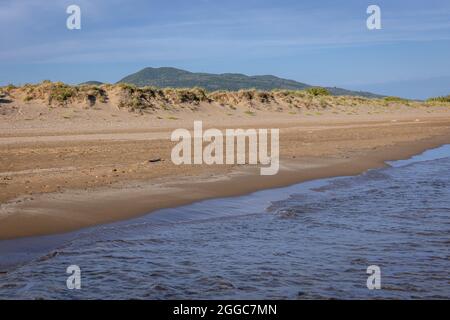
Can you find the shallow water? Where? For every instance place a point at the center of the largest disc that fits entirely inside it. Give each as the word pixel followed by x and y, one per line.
pixel 311 240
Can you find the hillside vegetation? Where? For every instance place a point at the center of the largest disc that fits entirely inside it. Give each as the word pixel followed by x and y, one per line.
pixel 177 78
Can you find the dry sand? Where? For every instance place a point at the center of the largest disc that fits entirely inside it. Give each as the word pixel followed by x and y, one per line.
pixel 70 167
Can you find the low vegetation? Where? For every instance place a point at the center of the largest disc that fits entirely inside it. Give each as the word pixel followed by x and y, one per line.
pixel 318 91
pixel 440 99
pixel 61 94
pixel 149 99
pixel 395 99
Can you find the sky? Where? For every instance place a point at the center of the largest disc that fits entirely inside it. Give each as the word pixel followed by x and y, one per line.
pixel 324 43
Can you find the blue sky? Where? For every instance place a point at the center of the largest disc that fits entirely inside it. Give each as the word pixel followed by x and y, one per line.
pixel 316 42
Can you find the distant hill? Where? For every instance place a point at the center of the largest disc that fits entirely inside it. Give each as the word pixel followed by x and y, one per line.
pixel 177 78
pixel 94 83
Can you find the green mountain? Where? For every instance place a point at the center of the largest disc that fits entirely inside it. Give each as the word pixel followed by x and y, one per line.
pixel 177 78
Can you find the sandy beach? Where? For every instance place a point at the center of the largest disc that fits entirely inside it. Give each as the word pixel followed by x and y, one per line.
pixel 68 167
pixel 206 155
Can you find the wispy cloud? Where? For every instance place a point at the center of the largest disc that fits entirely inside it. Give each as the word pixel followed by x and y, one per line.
pixel 239 33
pixel 264 30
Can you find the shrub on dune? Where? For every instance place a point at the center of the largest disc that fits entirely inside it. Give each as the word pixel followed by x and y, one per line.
pixel 395 99
pixel 318 91
pixel 61 92
pixel 440 99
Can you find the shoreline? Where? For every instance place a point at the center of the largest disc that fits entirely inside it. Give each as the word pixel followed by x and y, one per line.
pixel 17 251
pixel 71 210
